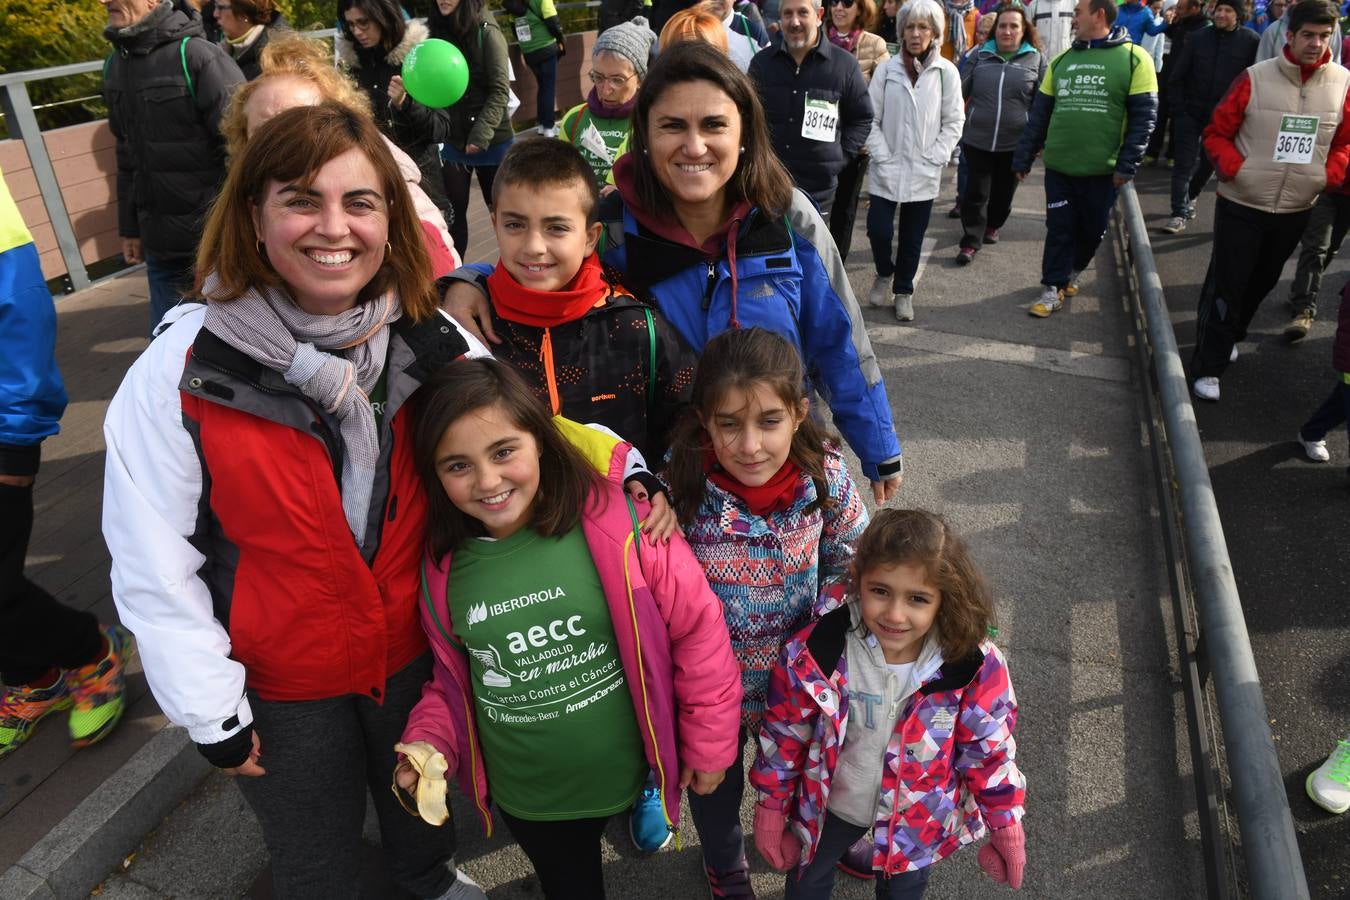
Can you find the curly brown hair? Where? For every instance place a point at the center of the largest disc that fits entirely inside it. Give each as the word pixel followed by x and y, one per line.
pixel 917 537
pixel 290 55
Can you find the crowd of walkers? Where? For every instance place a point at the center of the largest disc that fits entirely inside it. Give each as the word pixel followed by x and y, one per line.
pixel 359 534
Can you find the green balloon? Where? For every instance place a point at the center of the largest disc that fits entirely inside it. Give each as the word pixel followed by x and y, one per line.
pixel 435 73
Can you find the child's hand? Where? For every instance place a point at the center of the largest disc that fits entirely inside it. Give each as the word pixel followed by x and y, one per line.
pixel 777 843
pixel 661 522
pixel 1005 856
pixel 405 776
pixel 701 783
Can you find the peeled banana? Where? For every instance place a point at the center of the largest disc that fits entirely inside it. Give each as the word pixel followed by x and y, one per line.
pixel 430 791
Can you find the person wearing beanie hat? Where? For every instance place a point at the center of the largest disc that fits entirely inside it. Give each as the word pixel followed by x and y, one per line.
pixel 1210 59
pixel 599 127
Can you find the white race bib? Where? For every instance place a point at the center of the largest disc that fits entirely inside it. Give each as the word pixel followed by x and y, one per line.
pixel 523 32
pixel 592 141
pixel 1294 144
pixel 820 119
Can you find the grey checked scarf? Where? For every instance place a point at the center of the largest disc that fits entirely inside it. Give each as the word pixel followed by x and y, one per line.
pixel 956 26
pixel 267 326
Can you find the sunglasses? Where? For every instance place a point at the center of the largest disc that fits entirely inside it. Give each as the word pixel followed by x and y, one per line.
pixel 846 4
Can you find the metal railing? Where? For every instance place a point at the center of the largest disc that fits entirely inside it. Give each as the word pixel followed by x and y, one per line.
pixel 1222 650
pixel 17 107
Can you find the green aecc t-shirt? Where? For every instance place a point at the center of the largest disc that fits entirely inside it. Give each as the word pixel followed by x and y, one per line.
pixel 554 713
pixel 1090 87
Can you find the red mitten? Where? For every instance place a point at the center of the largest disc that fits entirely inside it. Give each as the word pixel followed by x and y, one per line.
pixel 774 840
pixel 1005 856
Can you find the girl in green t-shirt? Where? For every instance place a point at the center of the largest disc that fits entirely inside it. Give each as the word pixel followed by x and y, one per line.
pixel 569 662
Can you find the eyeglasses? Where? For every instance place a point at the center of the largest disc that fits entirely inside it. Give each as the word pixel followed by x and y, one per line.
pixel 616 81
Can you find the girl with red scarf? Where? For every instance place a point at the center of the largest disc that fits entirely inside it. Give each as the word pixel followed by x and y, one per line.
pixel 767 504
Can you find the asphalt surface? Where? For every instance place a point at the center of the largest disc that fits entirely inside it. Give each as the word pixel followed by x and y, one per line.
pixel 1025 434
pixel 1285 519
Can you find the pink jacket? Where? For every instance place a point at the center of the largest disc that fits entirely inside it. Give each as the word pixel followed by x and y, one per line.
pixel 671 635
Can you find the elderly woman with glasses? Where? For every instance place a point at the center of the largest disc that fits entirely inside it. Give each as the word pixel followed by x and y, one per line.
pixel 599 127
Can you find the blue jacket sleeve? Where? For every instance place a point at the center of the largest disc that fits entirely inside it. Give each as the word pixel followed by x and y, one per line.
pixel 837 352
pixel 1033 136
pixel 1141 111
pixel 32 396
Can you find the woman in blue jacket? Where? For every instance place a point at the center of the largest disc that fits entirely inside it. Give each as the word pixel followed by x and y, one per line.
pixel 707 225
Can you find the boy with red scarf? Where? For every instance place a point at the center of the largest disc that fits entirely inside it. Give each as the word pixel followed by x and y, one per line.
pixel 589 349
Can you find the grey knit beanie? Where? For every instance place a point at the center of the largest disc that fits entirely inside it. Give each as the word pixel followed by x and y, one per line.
pixel 632 40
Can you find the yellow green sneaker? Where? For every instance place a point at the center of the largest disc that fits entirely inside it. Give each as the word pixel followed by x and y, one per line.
pixel 21 708
pixel 97 690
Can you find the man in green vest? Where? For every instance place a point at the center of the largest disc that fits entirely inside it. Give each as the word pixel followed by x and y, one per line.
pixel 1092 116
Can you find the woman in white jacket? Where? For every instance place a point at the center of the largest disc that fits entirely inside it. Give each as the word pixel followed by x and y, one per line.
pixel 916 100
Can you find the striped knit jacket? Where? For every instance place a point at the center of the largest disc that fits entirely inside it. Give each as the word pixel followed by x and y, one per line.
pixel 768 570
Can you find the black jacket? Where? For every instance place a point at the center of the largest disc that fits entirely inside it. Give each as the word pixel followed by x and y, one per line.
pixel 1178 33
pixel 1207 67
pixel 170 155
pixel 250 61
pixel 480 117
pixel 827 73
pixel 642 403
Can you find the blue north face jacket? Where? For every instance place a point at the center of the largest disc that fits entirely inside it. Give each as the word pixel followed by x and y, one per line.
pixel 783 283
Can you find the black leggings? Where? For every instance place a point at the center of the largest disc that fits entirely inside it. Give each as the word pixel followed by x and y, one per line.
pixel 36 632
pixel 457 177
pixel 565 854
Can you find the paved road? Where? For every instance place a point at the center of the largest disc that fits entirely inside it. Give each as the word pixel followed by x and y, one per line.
pixel 1024 432
pixel 1285 520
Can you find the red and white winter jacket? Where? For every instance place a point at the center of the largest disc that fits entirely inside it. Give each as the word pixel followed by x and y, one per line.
pixel 949 770
pixel 232 560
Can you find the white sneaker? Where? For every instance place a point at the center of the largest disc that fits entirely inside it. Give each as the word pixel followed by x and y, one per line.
pixel 549 132
pixel 1052 300
pixel 1329 784
pixel 1233 354
pixel 1315 450
pixel 1175 225
pixel 1207 388
pixel 904 307
pixel 880 294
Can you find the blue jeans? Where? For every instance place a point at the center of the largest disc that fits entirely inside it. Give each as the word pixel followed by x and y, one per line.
pixel 816 881
pixel 881 215
pixel 544 65
pixel 170 279
pixel 1077 208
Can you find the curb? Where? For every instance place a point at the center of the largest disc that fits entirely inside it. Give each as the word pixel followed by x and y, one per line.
pixel 92 841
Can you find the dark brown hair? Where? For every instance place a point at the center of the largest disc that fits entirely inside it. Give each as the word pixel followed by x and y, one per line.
pixel 759 177
pixel 921 538
pixel 536 164
pixel 1309 12
pixel 744 359
pixel 254 12
pixel 383 14
pixel 566 479
pixel 1029 34
pixel 292 147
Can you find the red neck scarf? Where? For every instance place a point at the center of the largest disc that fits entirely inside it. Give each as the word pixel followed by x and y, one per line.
pixel 774 495
pixel 548 309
